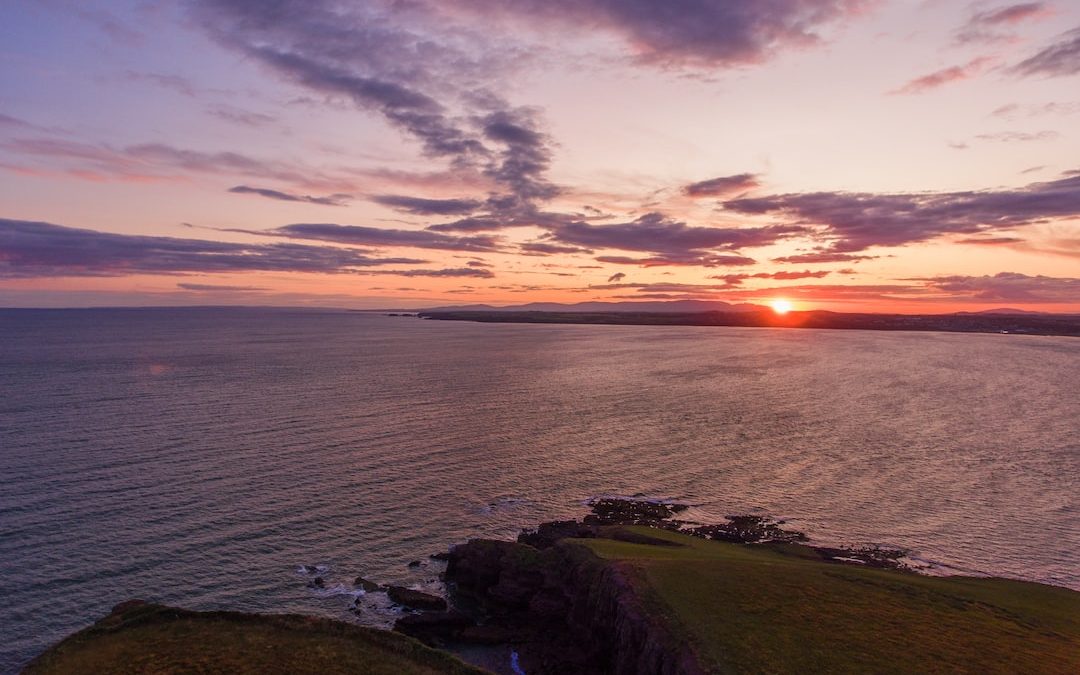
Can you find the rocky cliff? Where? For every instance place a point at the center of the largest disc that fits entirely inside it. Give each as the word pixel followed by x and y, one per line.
pixel 569 610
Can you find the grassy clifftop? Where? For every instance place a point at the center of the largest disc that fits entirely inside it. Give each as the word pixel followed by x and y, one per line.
pixel 145 638
pixel 778 608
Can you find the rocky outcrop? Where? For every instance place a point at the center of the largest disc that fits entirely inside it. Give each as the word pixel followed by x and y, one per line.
pixel 415 599
pixel 367 585
pixel 570 611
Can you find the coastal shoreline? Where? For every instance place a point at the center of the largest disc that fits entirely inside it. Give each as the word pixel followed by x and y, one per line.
pixel 631 587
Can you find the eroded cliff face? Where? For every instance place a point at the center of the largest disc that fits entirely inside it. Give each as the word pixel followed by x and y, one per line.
pixel 569 610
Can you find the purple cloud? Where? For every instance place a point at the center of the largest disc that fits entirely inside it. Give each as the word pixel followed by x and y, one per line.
pixel 543 248
pixel 696 33
pixel 1009 286
pixel 822 257
pixel 244 118
pixel 723 186
pixel 688 260
pixel 217 288
pixel 986 26
pixel 34 249
pixel 426 87
pixel 737 279
pixel 1057 60
pixel 466 272
pixel 330 200
pixel 857 220
pixel 656 233
pixel 428 207
pixel 160 161
pixel 359 235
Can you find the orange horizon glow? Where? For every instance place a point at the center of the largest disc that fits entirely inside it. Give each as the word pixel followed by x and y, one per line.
pixel 781 306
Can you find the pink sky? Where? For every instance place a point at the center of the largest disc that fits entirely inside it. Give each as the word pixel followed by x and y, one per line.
pixel 842 154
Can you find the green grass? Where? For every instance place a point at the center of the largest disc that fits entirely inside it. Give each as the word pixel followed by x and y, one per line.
pixel 756 609
pixel 156 639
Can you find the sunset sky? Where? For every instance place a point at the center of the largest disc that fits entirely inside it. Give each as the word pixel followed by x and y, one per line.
pixel 853 155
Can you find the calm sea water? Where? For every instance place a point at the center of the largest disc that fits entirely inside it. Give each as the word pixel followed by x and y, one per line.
pixel 198 457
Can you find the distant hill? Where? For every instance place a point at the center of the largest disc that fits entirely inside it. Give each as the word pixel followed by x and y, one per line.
pixel 659 306
pixel 1033 323
pixel 1004 310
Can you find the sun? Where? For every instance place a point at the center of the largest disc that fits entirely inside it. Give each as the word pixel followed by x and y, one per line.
pixel 781 306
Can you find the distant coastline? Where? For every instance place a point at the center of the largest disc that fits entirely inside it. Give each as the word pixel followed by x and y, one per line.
pixel 1022 324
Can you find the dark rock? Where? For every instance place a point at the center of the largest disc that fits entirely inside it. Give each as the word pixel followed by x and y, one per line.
pixel 318 582
pixel 547 534
pixel 565 609
pixel 747 530
pixel 444 556
pixel 415 599
pixel 428 626
pixel 871 556
pixel 631 512
pixel 366 584
pixel 494 634
pixel 414 564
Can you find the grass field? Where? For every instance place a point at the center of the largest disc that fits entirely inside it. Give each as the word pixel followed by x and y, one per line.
pixel 156 639
pixel 758 609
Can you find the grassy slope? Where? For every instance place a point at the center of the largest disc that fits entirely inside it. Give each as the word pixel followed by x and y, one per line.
pixel 155 639
pixel 755 609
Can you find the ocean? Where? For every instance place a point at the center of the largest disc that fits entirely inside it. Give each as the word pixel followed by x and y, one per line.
pixel 201 457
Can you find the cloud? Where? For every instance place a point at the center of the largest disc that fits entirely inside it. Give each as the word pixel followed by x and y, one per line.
pixel 544 248
pixel 737 279
pixel 472 224
pixel 944 76
pixel 217 288
pixel 788 276
pixel 1009 287
pixel 404 65
pixel 856 221
pixel 1019 136
pixel 690 260
pixel 681 33
pixel 35 249
pixel 161 161
pixel 175 83
pixel 660 287
pixel 244 118
pixel 987 25
pixel 359 235
pixel 428 207
pixel 1057 60
pixel 1013 111
pixel 722 186
pixel 990 241
pixel 330 200
pixel 9 121
pixel 618 276
pixel 823 257
pixel 467 272
pixel 657 233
